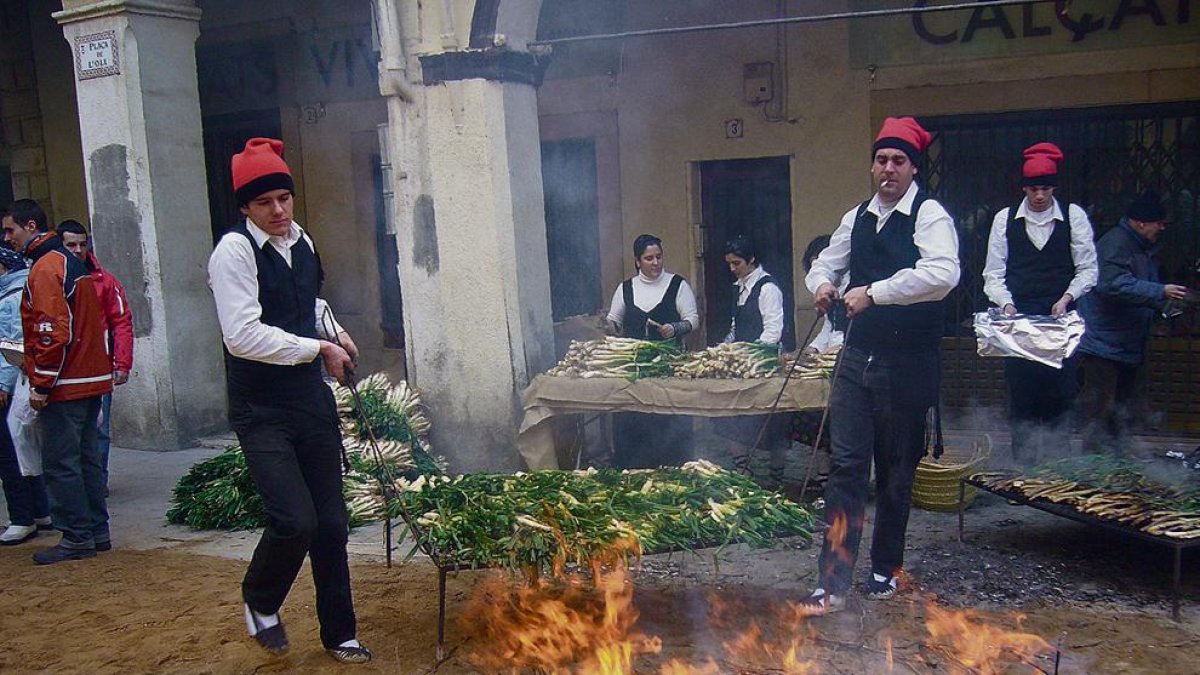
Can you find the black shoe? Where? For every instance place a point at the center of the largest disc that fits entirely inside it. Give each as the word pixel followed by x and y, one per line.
pixel 879 587
pixel 103 546
pixel 272 639
pixel 359 654
pixel 59 553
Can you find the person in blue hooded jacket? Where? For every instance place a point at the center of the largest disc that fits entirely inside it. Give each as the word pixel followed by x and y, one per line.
pixel 1118 314
pixel 28 509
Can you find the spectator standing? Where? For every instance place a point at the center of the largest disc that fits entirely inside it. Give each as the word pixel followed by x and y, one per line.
pixel 1118 315
pixel 69 370
pixel 24 494
pixel 118 325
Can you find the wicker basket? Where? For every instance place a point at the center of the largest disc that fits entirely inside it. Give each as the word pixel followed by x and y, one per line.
pixel 936 484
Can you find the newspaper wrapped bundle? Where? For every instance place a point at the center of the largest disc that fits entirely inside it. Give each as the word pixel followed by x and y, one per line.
pixel 1039 338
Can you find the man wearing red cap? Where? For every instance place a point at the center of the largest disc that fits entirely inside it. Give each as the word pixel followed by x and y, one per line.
pixel 1039 262
pixel 900 252
pixel 265 275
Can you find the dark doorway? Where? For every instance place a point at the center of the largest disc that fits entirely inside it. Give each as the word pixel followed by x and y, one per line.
pixel 388 257
pixel 746 197
pixel 572 226
pixel 224 136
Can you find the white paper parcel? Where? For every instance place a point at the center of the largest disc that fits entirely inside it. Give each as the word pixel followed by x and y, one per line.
pixel 1039 338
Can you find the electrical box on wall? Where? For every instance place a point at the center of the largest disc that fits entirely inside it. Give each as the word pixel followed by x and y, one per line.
pixel 758 83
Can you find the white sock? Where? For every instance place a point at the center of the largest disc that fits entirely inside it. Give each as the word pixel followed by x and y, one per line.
pixel 265 620
pixel 350 643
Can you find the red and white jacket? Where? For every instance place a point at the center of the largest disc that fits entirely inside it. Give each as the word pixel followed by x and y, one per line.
pixel 118 322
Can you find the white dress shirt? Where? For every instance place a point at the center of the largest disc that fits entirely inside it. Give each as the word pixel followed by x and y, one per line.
pixel 1039 226
pixel 647 294
pixel 770 306
pixel 932 278
pixel 233 278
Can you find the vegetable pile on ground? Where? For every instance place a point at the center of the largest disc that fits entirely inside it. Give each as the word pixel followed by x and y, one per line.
pixel 219 493
pixel 1112 489
pixel 617 357
pixel 541 521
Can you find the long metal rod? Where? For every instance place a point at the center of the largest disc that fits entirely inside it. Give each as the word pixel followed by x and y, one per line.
pixel 864 14
pixel 762 428
pixel 837 368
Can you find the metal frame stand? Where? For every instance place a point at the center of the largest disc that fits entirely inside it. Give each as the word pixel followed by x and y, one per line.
pixel 1069 513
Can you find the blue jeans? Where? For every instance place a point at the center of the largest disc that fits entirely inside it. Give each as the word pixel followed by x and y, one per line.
pixel 74 478
pixel 104 434
pixel 25 495
pixel 876 412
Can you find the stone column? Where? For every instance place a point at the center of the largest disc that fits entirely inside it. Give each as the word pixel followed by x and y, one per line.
pixel 139 118
pixel 466 165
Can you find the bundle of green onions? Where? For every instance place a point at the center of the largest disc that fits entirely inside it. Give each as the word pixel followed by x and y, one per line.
pixel 219 493
pixel 810 365
pixel 617 357
pixel 731 360
pixel 540 521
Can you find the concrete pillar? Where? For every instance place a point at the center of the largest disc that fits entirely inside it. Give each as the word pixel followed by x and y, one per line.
pixel 466 167
pixel 139 119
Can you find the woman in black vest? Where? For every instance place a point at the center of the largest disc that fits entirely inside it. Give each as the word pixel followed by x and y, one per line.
pixel 756 316
pixel 652 305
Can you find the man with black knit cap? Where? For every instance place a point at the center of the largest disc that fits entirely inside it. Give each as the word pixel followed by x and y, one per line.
pixel 265 276
pixel 1118 315
pixel 900 251
pixel 1039 261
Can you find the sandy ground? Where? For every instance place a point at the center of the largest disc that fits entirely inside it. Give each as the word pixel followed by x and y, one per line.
pixel 166 600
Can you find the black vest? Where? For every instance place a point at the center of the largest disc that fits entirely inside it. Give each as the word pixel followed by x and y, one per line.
pixel 747 319
pixel 875 256
pixel 288 297
pixel 634 325
pixel 1037 279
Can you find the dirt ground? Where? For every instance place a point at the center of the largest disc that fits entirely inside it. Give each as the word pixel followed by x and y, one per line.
pixel 1104 601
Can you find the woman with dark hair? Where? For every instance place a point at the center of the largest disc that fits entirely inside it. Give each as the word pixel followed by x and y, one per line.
pixel 756 316
pixel 652 305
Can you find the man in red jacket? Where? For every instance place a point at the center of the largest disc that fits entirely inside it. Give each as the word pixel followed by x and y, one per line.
pixel 118 324
pixel 69 370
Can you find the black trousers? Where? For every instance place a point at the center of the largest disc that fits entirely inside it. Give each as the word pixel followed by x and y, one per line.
pixel 293 450
pixel 25 495
pixel 1113 400
pixel 1039 400
pixel 876 412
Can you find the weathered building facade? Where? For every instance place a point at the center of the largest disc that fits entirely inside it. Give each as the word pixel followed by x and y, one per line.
pixel 469 189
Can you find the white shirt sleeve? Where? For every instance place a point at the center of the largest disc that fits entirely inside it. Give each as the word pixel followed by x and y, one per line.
pixel 616 310
pixel 935 273
pixel 830 267
pixel 1083 253
pixel 996 267
pixel 685 304
pixel 770 305
pixel 327 324
pixel 233 278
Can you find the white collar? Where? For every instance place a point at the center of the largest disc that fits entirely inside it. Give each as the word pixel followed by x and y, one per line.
pixel 651 282
pixel 903 206
pixel 1039 217
pixel 260 237
pixel 750 279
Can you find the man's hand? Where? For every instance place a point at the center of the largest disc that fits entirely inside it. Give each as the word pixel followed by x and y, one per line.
pixel 337 361
pixel 37 401
pixel 824 298
pixel 1010 309
pixel 857 301
pixel 348 344
pixel 1174 292
pixel 120 376
pixel 1060 307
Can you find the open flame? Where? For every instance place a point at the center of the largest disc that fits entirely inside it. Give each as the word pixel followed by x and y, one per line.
pixel 587 623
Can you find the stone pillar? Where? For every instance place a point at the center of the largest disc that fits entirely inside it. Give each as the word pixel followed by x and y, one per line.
pixel 466 166
pixel 139 118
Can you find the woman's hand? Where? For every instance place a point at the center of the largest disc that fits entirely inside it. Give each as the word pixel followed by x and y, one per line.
pixel 666 330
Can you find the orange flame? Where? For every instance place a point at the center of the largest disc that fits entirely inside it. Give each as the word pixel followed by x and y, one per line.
pixel 978 645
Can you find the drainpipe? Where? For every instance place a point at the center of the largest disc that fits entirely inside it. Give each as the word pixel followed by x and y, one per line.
pixel 393 56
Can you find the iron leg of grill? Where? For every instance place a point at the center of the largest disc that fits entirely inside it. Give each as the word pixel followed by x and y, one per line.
pixel 1176 583
pixel 962 499
pixel 441 643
